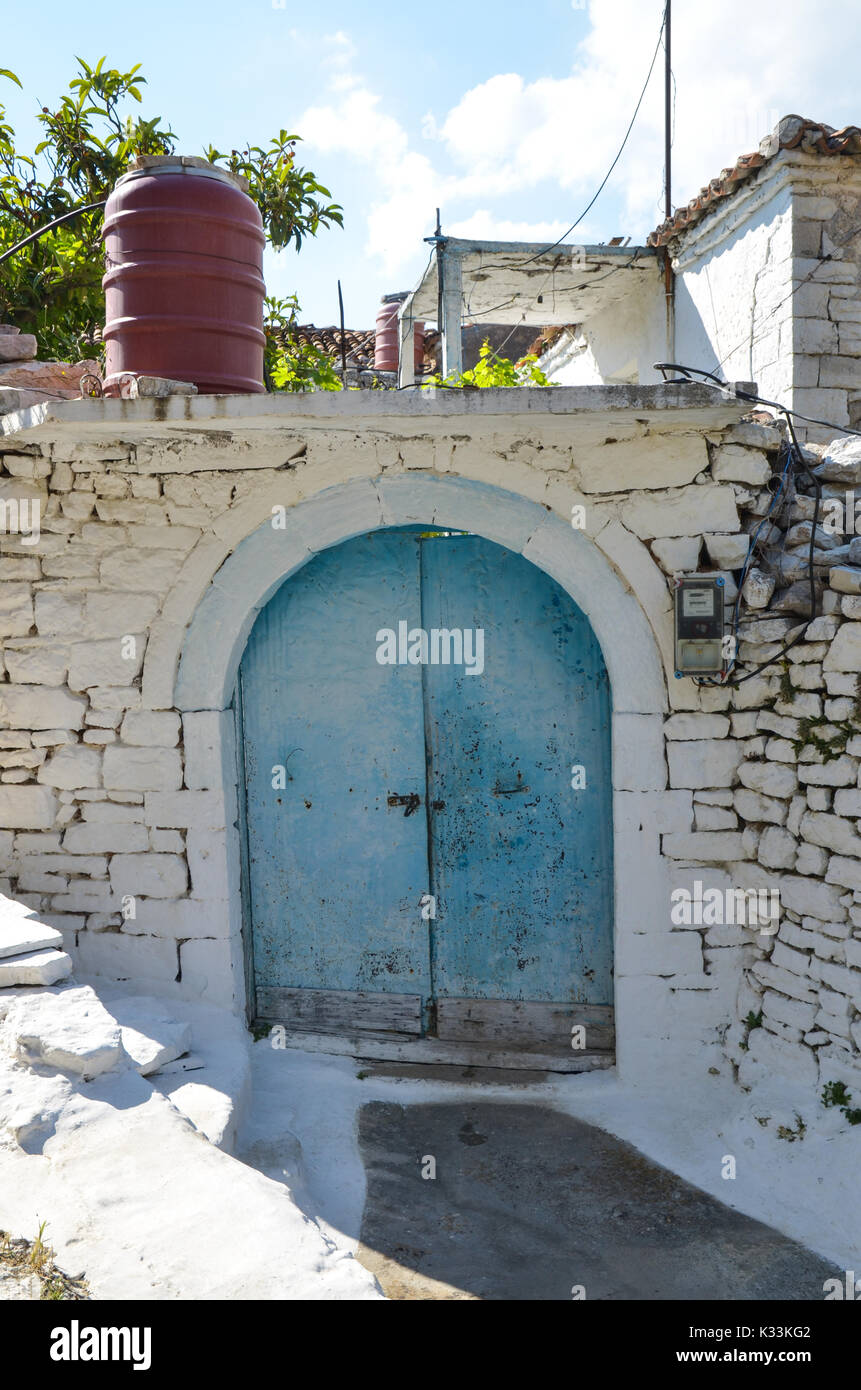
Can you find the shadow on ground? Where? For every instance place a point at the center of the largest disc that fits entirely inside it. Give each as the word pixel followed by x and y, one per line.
pixel 528 1203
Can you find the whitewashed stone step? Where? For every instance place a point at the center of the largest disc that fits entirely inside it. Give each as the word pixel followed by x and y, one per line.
pixel 162 1042
pixel 152 1034
pixel 35 968
pixel 68 1028
pixel 21 936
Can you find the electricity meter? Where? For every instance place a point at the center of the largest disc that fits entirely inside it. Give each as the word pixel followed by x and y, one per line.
pixel 699 625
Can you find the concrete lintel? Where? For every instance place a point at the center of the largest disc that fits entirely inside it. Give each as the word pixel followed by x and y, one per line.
pixel 99 420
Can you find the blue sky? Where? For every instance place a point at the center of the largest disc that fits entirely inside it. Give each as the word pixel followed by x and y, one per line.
pixel 507 115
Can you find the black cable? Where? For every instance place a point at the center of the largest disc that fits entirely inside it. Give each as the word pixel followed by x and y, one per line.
pixel 725 389
pixel 810 571
pixel 40 231
pixel 603 183
pixel 738 394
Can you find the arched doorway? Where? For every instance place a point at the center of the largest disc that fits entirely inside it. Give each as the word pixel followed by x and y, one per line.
pixel 425 724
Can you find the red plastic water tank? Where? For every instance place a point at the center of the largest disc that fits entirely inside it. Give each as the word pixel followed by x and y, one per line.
pixel 184 282
pixel 386 336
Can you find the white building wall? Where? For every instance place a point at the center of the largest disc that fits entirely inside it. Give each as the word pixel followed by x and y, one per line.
pixel 620 345
pixel 733 290
pixel 766 290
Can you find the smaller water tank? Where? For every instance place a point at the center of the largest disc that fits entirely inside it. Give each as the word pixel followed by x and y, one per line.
pixel 386 336
pixel 184 280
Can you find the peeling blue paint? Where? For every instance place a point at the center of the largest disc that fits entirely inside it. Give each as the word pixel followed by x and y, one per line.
pixel 342 854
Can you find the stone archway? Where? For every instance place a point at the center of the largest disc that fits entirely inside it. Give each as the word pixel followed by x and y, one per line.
pixel 217 634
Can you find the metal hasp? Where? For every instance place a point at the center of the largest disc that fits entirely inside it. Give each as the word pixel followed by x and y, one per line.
pixel 700 622
pixel 184 281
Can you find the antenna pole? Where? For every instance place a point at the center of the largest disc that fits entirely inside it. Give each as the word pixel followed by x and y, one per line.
pixel 343 335
pixel 669 279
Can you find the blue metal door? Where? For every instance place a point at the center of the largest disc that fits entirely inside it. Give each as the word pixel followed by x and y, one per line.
pixel 424 841
pixel 335 871
pixel 520 859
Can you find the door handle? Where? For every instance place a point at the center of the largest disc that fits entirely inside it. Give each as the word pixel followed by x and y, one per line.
pixel 412 801
pixel 509 791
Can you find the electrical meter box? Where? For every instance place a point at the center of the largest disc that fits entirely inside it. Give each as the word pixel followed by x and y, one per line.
pixel 699 625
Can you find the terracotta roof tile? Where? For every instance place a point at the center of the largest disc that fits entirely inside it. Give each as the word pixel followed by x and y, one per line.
pixel 791 133
pixel 359 342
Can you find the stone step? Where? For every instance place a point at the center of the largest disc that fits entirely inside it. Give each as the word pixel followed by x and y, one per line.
pixel 21 935
pixel 67 1028
pixel 36 968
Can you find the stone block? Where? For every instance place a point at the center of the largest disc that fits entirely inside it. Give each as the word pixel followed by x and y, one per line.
pixel 200 810
pixel 708 847
pixel 69 1030
pixel 17 347
pixel 16 610
pixel 682 512
pixel 847 801
pixel 35 707
pixel 202 735
pixel 71 768
pixel 846 579
pixel 840 772
pixel 769 778
pixel 677 554
pixel 113 661
pixel 735 464
pixel 696 726
pixel 777 848
pixel 37 968
pixel 109 836
pixel 142 769
pixel 703 762
pixel 149 875
pixel 150 728
pixel 638 752
pixel 27 808
pixel 22 933
pixel 846 872
pixel 844 653
pixel 811 898
pixel 831 832
pixel 59 614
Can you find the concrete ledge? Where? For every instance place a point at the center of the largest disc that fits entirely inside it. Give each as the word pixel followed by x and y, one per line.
pixel 148 418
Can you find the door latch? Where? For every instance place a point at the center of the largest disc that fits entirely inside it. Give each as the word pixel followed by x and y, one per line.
pixel 412 801
pixel 510 791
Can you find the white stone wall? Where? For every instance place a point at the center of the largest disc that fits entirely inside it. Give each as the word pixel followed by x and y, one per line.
pixel 619 345
pixel 767 286
pixel 122 628
pixel 734 313
pixel 766 290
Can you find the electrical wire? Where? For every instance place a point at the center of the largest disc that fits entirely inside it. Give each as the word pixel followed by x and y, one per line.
pixel 40 231
pixel 795 452
pixel 587 284
pixel 606 177
pixel 822 260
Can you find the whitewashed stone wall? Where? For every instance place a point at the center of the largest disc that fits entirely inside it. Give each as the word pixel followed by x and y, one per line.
pixel 113 787
pixel 767 287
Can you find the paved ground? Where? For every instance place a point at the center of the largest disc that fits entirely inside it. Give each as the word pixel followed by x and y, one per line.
pixel 527 1203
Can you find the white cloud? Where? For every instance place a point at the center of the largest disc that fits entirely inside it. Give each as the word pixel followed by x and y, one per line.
pixel 342 49
pixel 737 66
pixel 483 226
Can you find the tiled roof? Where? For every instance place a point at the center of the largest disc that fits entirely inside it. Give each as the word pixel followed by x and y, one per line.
pixel 359 342
pixel 791 133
